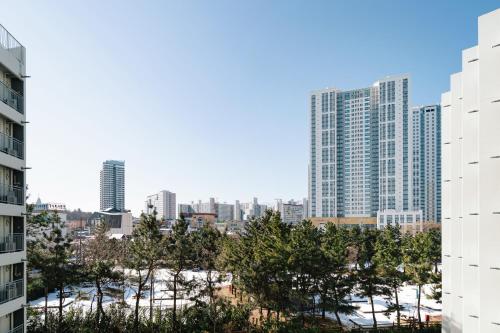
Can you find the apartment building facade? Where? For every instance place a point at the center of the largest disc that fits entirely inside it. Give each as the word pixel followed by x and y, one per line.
pixel 360 150
pixel 12 184
pixel 164 203
pixel 112 185
pixel 471 187
pixel 426 157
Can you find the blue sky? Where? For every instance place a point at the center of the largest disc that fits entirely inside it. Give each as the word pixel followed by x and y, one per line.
pixel 208 98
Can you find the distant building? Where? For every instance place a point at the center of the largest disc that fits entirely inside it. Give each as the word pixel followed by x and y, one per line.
pixel 185 209
pixel 427 161
pixel 73 226
pixel 291 212
pixel 407 220
pixel 198 220
pixel 112 185
pixel 345 222
pixel 223 211
pixel 53 207
pixel 163 203
pixel 49 206
pixel 118 222
pixel 360 150
pixel 252 209
pixel 238 216
pixel 231 227
pixel 305 207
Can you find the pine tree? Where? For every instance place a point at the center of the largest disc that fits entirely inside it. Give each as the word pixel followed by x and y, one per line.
pixel 370 284
pixel 207 244
pixel 434 250
pixel 336 282
pixel 178 258
pixel 305 262
pixel 144 253
pixel 389 260
pixel 50 253
pixel 418 264
pixel 98 264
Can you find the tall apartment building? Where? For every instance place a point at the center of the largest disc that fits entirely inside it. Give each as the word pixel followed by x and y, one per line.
pixel 426 134
pixel 360 150
pixel 163 203
pixel 112 185
pixel 12 184
pixel 471 187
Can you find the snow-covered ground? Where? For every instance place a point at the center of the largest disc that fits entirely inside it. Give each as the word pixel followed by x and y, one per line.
pixel 407 298
pixel 84 297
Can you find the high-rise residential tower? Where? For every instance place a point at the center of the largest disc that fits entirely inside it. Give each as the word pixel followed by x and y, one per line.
pixel 12 184
pixel 359 150
pixel 113 185
pixel 427 161
pixel 471 187
pixel 163 203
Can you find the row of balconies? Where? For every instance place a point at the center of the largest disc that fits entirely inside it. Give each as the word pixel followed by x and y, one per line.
pixel 12 190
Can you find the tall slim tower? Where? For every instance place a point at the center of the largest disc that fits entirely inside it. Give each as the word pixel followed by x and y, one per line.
pixel 395 164
pixel 12 183
pixel 427 161
pixel 113 185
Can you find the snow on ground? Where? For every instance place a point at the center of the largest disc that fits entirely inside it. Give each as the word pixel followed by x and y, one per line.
pixel 407 298
pixel 163 299
pixel 85 297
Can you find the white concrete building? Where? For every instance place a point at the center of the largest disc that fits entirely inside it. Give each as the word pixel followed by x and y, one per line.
pixel 12 184
pixel 471 187
pixel 163 203
pixel 112 185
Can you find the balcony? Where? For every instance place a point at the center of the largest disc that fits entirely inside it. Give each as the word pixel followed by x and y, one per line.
pixel 12 243
pixel 11 97
pixel 18 329
pixel 11 194
pixel 11 146
pixel 11 291
pixel 11 45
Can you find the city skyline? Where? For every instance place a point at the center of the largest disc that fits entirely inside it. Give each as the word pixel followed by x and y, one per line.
pixel 82 105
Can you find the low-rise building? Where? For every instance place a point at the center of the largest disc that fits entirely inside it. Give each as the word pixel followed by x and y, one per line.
pixel 198 220
pixel 292 212
pixel 409 221
pixel 118 222
pixel 347 222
